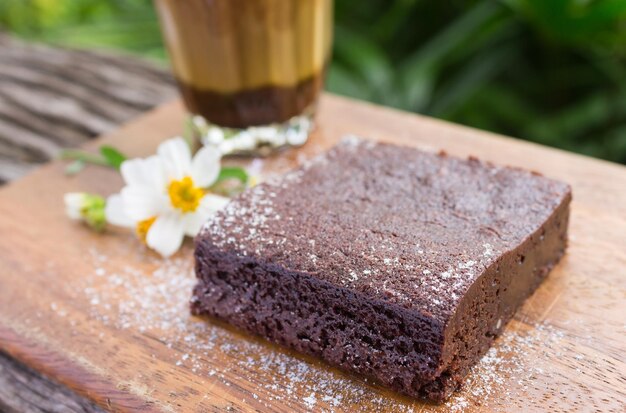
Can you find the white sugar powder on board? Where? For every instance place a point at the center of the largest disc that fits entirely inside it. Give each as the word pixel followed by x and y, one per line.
pixel 157 303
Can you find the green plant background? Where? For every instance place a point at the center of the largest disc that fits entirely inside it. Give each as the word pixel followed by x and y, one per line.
pixel 549 71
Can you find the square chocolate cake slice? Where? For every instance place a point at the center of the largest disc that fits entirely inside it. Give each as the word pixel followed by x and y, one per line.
pixel 383 260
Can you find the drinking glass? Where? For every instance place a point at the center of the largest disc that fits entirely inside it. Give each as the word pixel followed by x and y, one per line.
pixel 250 71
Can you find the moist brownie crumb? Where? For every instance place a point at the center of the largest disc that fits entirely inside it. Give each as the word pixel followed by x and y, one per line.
pixel 383 260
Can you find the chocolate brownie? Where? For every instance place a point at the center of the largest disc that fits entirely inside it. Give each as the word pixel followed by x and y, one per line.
pixel 383 260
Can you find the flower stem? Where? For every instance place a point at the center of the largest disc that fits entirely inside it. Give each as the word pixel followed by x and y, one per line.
pixel 87 157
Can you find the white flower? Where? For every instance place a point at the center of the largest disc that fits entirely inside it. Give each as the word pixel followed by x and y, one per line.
pixel 165 196
pixel 84 207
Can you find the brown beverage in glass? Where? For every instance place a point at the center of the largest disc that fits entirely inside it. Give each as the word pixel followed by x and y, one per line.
pixel 249 69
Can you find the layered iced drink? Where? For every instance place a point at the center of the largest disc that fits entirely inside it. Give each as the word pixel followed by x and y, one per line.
pixel 249 66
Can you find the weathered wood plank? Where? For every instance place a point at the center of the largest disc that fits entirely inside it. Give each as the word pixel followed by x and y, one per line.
pixel 24 390
pixel 52 98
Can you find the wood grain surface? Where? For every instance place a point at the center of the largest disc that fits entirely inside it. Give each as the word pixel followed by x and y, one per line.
pixel 51 98
pixel 24 390
pixel 109 319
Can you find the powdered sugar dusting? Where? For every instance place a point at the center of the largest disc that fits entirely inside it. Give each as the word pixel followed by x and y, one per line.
pixel 310 400
pixel 151 297
pixel 255 215
pixel 353 141
pixel 504 375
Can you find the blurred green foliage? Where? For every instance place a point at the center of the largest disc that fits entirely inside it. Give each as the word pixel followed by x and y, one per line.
pixel 550 71
pixel 129 25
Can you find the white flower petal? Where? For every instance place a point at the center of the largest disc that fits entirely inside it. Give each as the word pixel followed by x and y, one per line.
pixel 209 205
pixel 132 172
pixel 205 166
pixel 165 236
pixel 176 158
pixel 213 203
pixel 73 204
pixel 148 172
pixel 193 222
pixel 141 202
pixel 115 213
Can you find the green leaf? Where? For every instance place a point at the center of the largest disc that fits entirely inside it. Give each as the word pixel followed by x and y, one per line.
pixel 113 157
pixel 393 17
pixel 231 181
pixel 341 81
pixel 454 36
pixel 364 57
pixel 233 172
pixel 418 73
pixel 477 73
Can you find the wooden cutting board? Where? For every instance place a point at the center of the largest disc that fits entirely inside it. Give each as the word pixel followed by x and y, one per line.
pixel 109 319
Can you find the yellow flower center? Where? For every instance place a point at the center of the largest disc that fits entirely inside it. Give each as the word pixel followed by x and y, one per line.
pixel 142 228
pixel 184 195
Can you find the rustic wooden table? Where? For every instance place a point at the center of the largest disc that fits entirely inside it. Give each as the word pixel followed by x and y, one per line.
pixel 52 98
pixel 109 320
